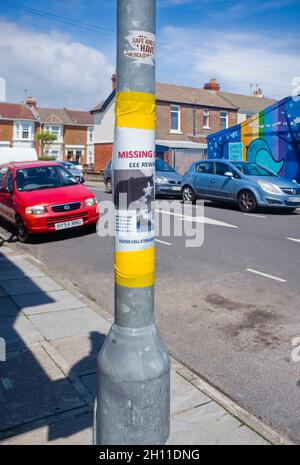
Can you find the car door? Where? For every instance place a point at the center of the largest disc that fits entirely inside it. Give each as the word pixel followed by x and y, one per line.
pixel 203 173
pixel 3 172
pixel 222 186
pixel 7 197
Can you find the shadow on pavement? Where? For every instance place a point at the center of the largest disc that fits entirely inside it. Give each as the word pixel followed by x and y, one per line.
pixel 33 388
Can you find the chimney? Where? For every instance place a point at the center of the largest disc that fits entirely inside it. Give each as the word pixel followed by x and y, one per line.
pixel 114 81
pixel 31 102
pixel 2 90
pixel 259 93
pixel 212 85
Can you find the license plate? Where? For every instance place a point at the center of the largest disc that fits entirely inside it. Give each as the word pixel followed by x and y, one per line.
pixel 294 199
pixel 176 188
pixel 68 224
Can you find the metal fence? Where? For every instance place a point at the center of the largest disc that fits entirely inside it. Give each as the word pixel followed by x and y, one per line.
pixel 183 158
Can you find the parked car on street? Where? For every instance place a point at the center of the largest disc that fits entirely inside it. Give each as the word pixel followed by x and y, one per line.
pixel 44 197
pixel 167 181
pixel 76 172
pixel 246 184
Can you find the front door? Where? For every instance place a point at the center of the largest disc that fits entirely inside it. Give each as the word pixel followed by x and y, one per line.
pixel 222 186
pixel 7 198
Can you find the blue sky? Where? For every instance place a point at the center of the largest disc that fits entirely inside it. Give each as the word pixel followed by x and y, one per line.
pixel 239 42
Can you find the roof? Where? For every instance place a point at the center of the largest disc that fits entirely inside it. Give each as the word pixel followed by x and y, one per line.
pixel 191 95
pixel 65 116
pixel 173 144
pixel 83 118
pixel 12 111
pixel 32 164
pixel 180 94
pixel 247 102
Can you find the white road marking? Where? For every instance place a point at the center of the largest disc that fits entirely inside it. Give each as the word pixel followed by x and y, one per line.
pixel 267 275
pixel 292 239
pixel 162 242
pixel 255 216
pixel 199 219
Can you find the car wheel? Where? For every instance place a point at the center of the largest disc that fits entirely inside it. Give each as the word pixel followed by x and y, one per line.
pixel 108 186
pixel 22 233
pixel 247 202
pixel 188 195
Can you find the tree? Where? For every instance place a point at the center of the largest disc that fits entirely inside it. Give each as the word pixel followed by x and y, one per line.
pixel 45 138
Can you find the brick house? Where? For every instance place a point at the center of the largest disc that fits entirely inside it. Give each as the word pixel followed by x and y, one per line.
pixel 74 130
pixel 185 117
pixel 17 125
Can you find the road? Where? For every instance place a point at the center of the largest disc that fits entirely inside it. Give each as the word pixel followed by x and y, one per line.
pixel 229 309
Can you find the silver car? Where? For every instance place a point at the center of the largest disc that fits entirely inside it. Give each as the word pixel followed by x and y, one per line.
pixel 167 180
pixel 76 173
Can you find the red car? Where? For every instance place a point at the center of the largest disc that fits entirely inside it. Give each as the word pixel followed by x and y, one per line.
pixel 44 197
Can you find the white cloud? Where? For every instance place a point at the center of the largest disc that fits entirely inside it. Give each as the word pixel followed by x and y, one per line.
pixel 238 59
pixel 55 70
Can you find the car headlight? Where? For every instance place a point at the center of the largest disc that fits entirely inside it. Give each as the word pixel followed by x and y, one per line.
pixel 296 182
pixel 36 210
pixel 270 188
pixel 90 202
pixel 160 181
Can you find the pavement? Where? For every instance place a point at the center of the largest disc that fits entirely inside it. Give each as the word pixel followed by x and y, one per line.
pixel 53 335
pixel 237 298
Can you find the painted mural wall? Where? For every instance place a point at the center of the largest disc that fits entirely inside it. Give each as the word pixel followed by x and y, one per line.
pixel 270 138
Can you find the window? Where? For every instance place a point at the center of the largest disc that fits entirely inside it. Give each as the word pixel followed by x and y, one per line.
pixel 206 122
pixel 175 118
pixel 9 182
pixel 224 119
pixel 91 136
pixel 24 131
pixel 56 130
pixel 205 168
pixel 222 168
pixel 3 172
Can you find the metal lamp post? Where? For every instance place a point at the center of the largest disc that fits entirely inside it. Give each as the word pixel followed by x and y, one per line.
pixel 133 402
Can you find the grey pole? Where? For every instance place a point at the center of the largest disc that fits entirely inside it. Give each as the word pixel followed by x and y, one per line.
pixel 133 401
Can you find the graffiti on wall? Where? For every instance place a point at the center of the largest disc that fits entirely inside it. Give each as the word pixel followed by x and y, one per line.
pixel 270 138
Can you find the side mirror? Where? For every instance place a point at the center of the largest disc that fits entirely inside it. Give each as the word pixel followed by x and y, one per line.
pixel 8 190
pixel 228 174
pixel 82 180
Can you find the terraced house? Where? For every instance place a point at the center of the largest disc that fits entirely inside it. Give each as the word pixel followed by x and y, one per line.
pixel 185 117
pixel 74 130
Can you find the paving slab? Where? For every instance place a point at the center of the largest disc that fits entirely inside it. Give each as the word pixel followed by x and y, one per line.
pixel 17 267
pixel 70 432
pixel 68 323
pixel 32 387
pixel 19 331
pixel 4 250
pixel 81 352
pixel 45 302
pixel 29 286
pixel 185 395
pixel 8 307
pixel 210 425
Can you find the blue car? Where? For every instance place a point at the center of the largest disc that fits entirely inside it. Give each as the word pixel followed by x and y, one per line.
pixel 246 184
pixel 167 181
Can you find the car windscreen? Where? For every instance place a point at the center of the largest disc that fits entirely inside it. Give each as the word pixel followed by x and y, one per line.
pixel 161 165
pixel 43 177
pixel 252 169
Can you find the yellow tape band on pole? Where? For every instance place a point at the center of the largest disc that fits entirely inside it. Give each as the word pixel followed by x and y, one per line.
pixel 135 269
pixel 135 110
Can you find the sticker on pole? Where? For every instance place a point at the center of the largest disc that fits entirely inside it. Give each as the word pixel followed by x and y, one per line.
pixel 142 47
